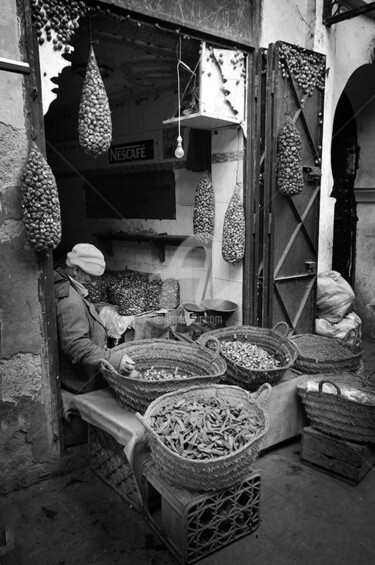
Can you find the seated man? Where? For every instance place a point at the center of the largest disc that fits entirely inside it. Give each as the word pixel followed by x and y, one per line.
pixel 82 336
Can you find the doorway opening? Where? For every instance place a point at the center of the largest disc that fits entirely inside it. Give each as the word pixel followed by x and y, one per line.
pixel 137 205
pixel 344 160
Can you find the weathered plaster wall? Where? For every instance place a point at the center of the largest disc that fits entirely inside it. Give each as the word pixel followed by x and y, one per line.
pixel 364 283
pixel 288 20
pixel 25 430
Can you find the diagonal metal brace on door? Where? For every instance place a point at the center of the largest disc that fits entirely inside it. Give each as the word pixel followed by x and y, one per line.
pixel 293 322
pixel 299 227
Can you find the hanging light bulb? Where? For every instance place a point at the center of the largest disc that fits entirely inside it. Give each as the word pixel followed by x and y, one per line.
pixel 179 153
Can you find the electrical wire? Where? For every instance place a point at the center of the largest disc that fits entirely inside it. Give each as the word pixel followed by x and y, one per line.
pixel 178 89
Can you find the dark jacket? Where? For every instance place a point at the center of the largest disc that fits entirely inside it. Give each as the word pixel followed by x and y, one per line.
pixel 82 338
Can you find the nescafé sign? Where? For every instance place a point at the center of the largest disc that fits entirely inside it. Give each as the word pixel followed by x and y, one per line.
pixel 130 152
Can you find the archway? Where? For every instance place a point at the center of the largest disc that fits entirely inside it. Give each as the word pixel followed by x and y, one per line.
pixel 356 158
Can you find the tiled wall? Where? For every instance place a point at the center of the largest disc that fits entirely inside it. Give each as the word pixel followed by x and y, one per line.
pixel 227 170
pixel 133 121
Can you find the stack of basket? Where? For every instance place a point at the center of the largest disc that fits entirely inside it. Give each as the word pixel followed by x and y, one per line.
pixel 339 400
pixel 341 405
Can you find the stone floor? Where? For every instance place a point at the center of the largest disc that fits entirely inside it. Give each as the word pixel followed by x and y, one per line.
pixel 307 518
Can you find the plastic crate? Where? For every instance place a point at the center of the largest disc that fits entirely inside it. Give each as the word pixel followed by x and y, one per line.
pixel 194 525
pixel 109 462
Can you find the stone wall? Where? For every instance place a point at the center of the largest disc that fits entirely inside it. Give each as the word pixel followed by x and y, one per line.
pixel 27 445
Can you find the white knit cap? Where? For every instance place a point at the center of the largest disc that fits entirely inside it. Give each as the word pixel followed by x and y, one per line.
pixel 88 258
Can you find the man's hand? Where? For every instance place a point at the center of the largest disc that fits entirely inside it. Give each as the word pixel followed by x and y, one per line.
pixel 126 364
pixel 106 364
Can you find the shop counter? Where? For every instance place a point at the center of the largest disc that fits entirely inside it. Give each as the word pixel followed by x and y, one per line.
pixel 284 409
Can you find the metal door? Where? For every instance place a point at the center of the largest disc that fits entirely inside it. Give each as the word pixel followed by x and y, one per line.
pixel 285 229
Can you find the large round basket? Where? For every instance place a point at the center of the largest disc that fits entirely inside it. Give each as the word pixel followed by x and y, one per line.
pixel 273 341
pixel 207 474
pixel 320 354
pixel 201 365
pixel 332 412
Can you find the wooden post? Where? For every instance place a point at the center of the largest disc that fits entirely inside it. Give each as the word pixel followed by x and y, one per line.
pixel 49 352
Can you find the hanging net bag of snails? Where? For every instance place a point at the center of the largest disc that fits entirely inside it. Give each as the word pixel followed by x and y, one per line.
pixel 289 160
pixel 94 114
pixel 40 203
pixel 233 240
pixel 204 210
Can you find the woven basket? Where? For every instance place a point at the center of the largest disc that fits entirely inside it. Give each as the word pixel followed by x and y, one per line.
pixel 333 414
pixel 210 474
pixel 274 341
pixel 320 354
pixel 202 365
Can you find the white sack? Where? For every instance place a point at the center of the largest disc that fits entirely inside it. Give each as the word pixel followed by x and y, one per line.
pixel 334 298
pixel 340 330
